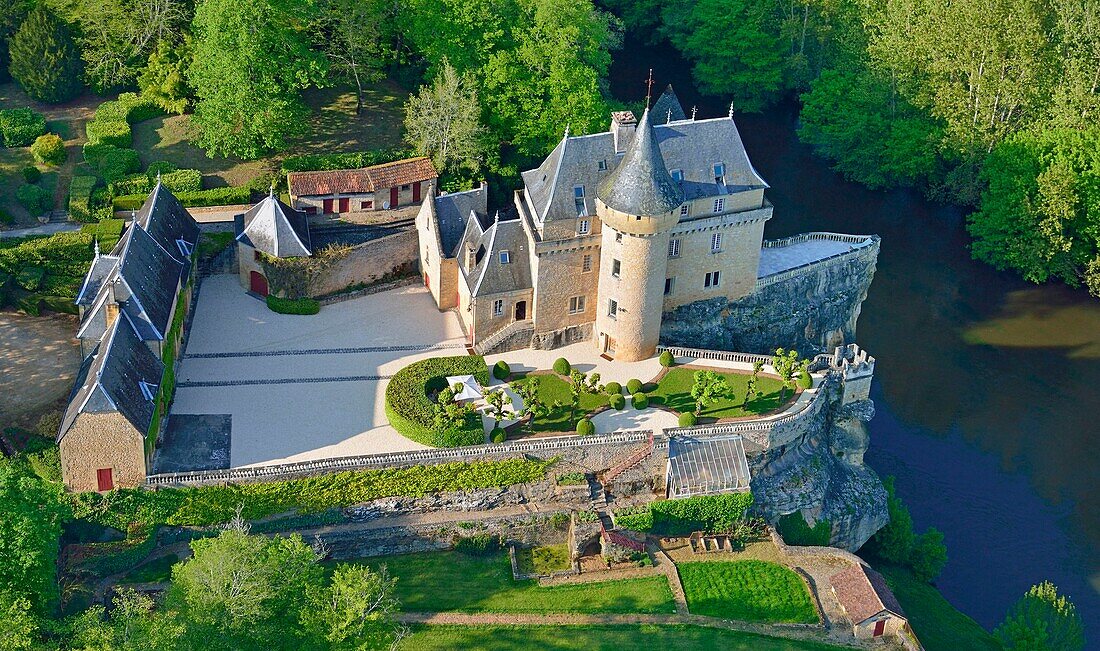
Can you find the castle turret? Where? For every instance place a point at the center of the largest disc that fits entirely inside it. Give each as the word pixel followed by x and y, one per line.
pixel 638 204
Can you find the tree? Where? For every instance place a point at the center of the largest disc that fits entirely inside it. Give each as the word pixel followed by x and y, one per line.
pixel 533 406
pixel 928 555
pixel 1042 620
pixel 356 608
pixel 893 542
pixel 750 384
pixel 18 623
pixel 44 57
pixel 164 79
pixel 708 387
pixel 31 514
pixel 356 37
pixel 581 384
pixel 450 413
pixel 12 14
pixel 251 60
pixel 501 404
pixel 443 121
pixel 789 366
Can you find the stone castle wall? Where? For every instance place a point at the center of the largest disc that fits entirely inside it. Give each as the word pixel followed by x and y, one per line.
pixel 97 441
pixel 369 262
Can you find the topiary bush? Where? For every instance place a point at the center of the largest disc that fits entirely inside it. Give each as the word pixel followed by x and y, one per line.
pixel 498 435
pixel 585 427
pixel 640 400
pixel 667 359
pixel 49 149
pixel 617 401
pixel 31 174
pixel 80 195
pixel 634 386
pixel 20 126
pixel 180 181
pixel 805 381
pixel 501 371
pixel 687 419
pixel 562 366
pixel 611 388
pixel 412 413
pixel 109 132
pixel 303 306
pixel 34 199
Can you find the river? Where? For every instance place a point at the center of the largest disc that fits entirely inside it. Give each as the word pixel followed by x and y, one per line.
pixel 987 388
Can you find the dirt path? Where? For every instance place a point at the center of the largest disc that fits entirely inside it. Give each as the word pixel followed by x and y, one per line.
pixel 39 359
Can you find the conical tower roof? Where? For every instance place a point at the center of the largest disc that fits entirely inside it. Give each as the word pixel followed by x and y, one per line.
pixel 641 184
pixel 276 229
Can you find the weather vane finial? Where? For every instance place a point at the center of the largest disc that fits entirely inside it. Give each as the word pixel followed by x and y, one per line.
pixel 648 87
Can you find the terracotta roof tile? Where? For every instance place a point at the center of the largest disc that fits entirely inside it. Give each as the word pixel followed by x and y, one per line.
pixel 358 181
pixel 863 593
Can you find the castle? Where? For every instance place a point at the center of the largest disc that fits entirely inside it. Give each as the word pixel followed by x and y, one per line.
pixel 613 231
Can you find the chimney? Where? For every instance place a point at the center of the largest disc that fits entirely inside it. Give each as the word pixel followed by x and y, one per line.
pixel 469 257
pixel 111 309
pixel 623 124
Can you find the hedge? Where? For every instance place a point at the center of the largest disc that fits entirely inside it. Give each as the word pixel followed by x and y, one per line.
pixel 710 513
pixel 35 199
pixel 139 509
pixel 617 401
pixel 343 161
pixel 110 132
pixel 211 197
pixel 498 435
pixel 64 257
pixel 805 380
pixel 412 413
pixel 131 184
pixel 562 366
pixel 20 126
pixel 501 370
pixel 611 388
pixel 109 135
pixel 292 305
pixel 80 195
pixel 640 400
pixel 107 231
pixel 31 174
pixel 49 149
pixel 634 386
pixel 585 427
pixel 180 181
pixel 109 162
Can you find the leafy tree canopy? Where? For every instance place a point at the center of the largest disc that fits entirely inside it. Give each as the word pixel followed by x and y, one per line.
pixel 1042 620
pixel 44 58
pixel 31 514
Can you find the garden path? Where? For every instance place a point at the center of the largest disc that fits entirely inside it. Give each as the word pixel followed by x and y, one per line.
pixel 45 229
pixel 629 418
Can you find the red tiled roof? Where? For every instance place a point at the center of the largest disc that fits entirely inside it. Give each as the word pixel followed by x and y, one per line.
pixel 358 181
pixel 863 593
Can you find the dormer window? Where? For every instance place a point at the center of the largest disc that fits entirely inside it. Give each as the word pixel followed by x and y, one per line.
pixel 148 390
pixel 602 166
pixel 720 173
pixel 677 175
pixel 578 199
pixel 505 258
pixel 185 247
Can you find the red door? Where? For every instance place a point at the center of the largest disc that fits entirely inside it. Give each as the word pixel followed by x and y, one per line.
pixel 258 283
pixel 326 207
pixel 393 197
pixel 427 283
pixel 105 479
pixel 416 192
pixel 880 626
pixel 345 205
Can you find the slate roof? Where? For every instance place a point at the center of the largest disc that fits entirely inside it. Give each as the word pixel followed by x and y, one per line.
pixel 109 380
pixel 667 108
pixel 453 212
pixel 275 228
pixel 489 275
pixel 163 217
pixel 640 183
pixel 152 279
pixel 362 180
pixel 102 266
pixel 863 593
pixel 692 146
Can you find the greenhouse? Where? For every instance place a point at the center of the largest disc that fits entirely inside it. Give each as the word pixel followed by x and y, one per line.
pixel 706 466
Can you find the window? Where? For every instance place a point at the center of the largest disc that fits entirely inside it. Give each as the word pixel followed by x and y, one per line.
pixel 498 307
pixel 148 390
pixel 712 279
pixel 669 282
pixel 576 305
pixel 674 248
pixel 582 227
pixel 720 173
pixel 505 258
pixel 715 242
pixel 578 199
pixel 612 308
pixel 405 187
pixel 366 205
pixel 719 204
pixel 677 175
pixel 602 166
pixel 184 246
pixel 618 237
pixel 256 255
pixel 616 267
pixel 586 263
pixel 685 210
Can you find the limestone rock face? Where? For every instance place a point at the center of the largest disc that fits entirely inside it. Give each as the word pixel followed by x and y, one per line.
pixel 814 312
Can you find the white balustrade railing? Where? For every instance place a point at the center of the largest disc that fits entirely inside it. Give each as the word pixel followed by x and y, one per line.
pixel 720 355
pixel 503 333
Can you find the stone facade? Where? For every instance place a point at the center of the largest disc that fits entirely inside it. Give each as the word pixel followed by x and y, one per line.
pixel 737 257
pixel 369 262
pixel 102 441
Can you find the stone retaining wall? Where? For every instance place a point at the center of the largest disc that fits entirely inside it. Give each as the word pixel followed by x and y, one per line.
pixel 369 262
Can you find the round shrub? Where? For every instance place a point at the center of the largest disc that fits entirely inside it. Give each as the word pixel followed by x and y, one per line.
pixel 49 149
pixel 31 174
pixel 667 359
pixel 634 386
pixel 585 427
pixel 805 380
pixel 561 366
pixel 687 419
pixel 497 435
pixel 611 388
pixel 617 401
pixel 640 400
pixel 501 370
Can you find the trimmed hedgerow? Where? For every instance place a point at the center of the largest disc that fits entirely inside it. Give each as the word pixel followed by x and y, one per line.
pixel 20 126
pixel 131 184
pixel 611 388
pixel 562 366
pixel 501 370
pixel 35 199
pixel 303 306
pixel 109 162
pixel 667 359
pixel 412 413
pixel 634 386
pixel 710 513
pixel 585 427
pixel 211 197
pixel 110 132
pixel 640 400
pixel 180 181
pixel 617 401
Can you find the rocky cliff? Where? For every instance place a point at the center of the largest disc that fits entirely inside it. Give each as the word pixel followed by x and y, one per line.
pixel 813 310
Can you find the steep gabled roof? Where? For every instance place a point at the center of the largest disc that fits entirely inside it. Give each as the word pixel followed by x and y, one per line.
pixel 110 380
pixel 149 280
pixel 490 275
pixel 863 593
pixel 101 267
pixel 640 184
pixel 667 108
pixel 276 229
pixel 173 228
pixel 452 213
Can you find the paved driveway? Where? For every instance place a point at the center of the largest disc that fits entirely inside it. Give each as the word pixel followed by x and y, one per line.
pixel 306 387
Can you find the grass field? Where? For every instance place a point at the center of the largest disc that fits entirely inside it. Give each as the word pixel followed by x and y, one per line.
pixel 543 560
pixel 554 389
pixel 597 638
pixel 755 591
pixel 674 391
pixel 449 581
pixel 938 624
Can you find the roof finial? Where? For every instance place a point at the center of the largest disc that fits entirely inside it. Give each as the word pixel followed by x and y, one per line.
pixel 158 177
pixel 496 217
pixel 694 109
pixel 731 110
pixel 648 87
pixel 271 190
pixel 97 246
pixel 668 117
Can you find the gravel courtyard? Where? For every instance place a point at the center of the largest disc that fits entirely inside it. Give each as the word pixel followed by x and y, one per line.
pixel 305 387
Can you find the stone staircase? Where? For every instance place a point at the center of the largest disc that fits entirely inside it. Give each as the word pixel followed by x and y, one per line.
pixel 633 460
pixel 515 335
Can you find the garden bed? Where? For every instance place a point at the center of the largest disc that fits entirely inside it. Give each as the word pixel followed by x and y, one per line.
pixel 543 561
pixel 673 391
pixel 554 388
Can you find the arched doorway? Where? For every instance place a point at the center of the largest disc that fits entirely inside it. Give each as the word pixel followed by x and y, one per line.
pixel 258 283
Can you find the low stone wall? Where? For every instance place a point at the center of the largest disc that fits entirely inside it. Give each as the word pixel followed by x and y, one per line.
pixel 369 262
pixel 563 337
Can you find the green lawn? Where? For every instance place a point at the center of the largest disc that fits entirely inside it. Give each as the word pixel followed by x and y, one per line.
pixel 597 638
pixel 553 388
pixel 543 560
pixel 938 624
pixel 450 581
pixel 755 591
pixel 211 244
pixel 674 392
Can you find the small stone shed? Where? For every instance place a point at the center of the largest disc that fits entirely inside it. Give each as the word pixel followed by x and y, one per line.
pixel 379 187
pixel 270 227
pixel 868 602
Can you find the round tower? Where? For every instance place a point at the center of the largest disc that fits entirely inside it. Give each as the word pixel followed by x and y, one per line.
pixel 638 204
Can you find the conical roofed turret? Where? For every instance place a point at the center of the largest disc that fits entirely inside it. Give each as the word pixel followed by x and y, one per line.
pixel 641 184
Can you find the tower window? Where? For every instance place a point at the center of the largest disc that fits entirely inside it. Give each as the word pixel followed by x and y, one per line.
pixel 582 227
pixel 586 263
pixel 669 282
pixel 616 267
pixel 498 307
pixel 612 308
pixel 719 205
pixel 715 242
pixel 712 279
pixel 674 248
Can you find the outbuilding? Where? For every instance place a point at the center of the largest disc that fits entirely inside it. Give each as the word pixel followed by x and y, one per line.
pixel 270 227
pixel 379 187
pixel 869 603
